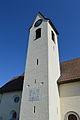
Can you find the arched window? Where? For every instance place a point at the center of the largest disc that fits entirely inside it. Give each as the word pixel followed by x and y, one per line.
pixel 13 115
pixel 71 115
pixel 38 33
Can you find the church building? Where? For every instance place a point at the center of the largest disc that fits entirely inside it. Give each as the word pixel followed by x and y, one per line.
pixel 49 89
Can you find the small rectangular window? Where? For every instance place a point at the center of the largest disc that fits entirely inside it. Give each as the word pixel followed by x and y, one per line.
pixel 53 38
pixel 35 81
pixel 34 109
pixel 38 33
pixel 37 61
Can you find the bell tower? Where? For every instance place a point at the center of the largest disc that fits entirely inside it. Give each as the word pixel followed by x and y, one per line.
pixel 40 96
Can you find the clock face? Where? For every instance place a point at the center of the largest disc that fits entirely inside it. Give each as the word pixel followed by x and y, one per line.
pixel 38 23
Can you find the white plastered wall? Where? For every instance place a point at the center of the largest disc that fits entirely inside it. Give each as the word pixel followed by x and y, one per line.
pixel 48 72
pixel 69 98
pixel 53 75
pixel 37 49
pixel 7 104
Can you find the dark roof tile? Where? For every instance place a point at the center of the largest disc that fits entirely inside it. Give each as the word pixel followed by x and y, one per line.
pixel 15 84
pixel 70 71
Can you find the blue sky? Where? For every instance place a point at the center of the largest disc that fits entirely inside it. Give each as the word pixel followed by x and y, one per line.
pixel 16 16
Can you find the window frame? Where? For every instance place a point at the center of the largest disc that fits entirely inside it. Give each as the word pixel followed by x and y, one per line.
pixel 38 35
pixel 69 113
pixel 37 23
pixel 16 99
pixel 13 115
pixel 53 36
pixel 13 99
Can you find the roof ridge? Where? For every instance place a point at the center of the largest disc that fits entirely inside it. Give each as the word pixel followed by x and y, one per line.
pixel 74 59
pixel 16 77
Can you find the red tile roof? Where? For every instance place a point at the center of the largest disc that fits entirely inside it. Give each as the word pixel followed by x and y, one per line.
pixel 16 84
pixel 70 72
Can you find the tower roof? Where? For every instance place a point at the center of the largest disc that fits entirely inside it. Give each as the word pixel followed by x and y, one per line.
pixel 52 25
